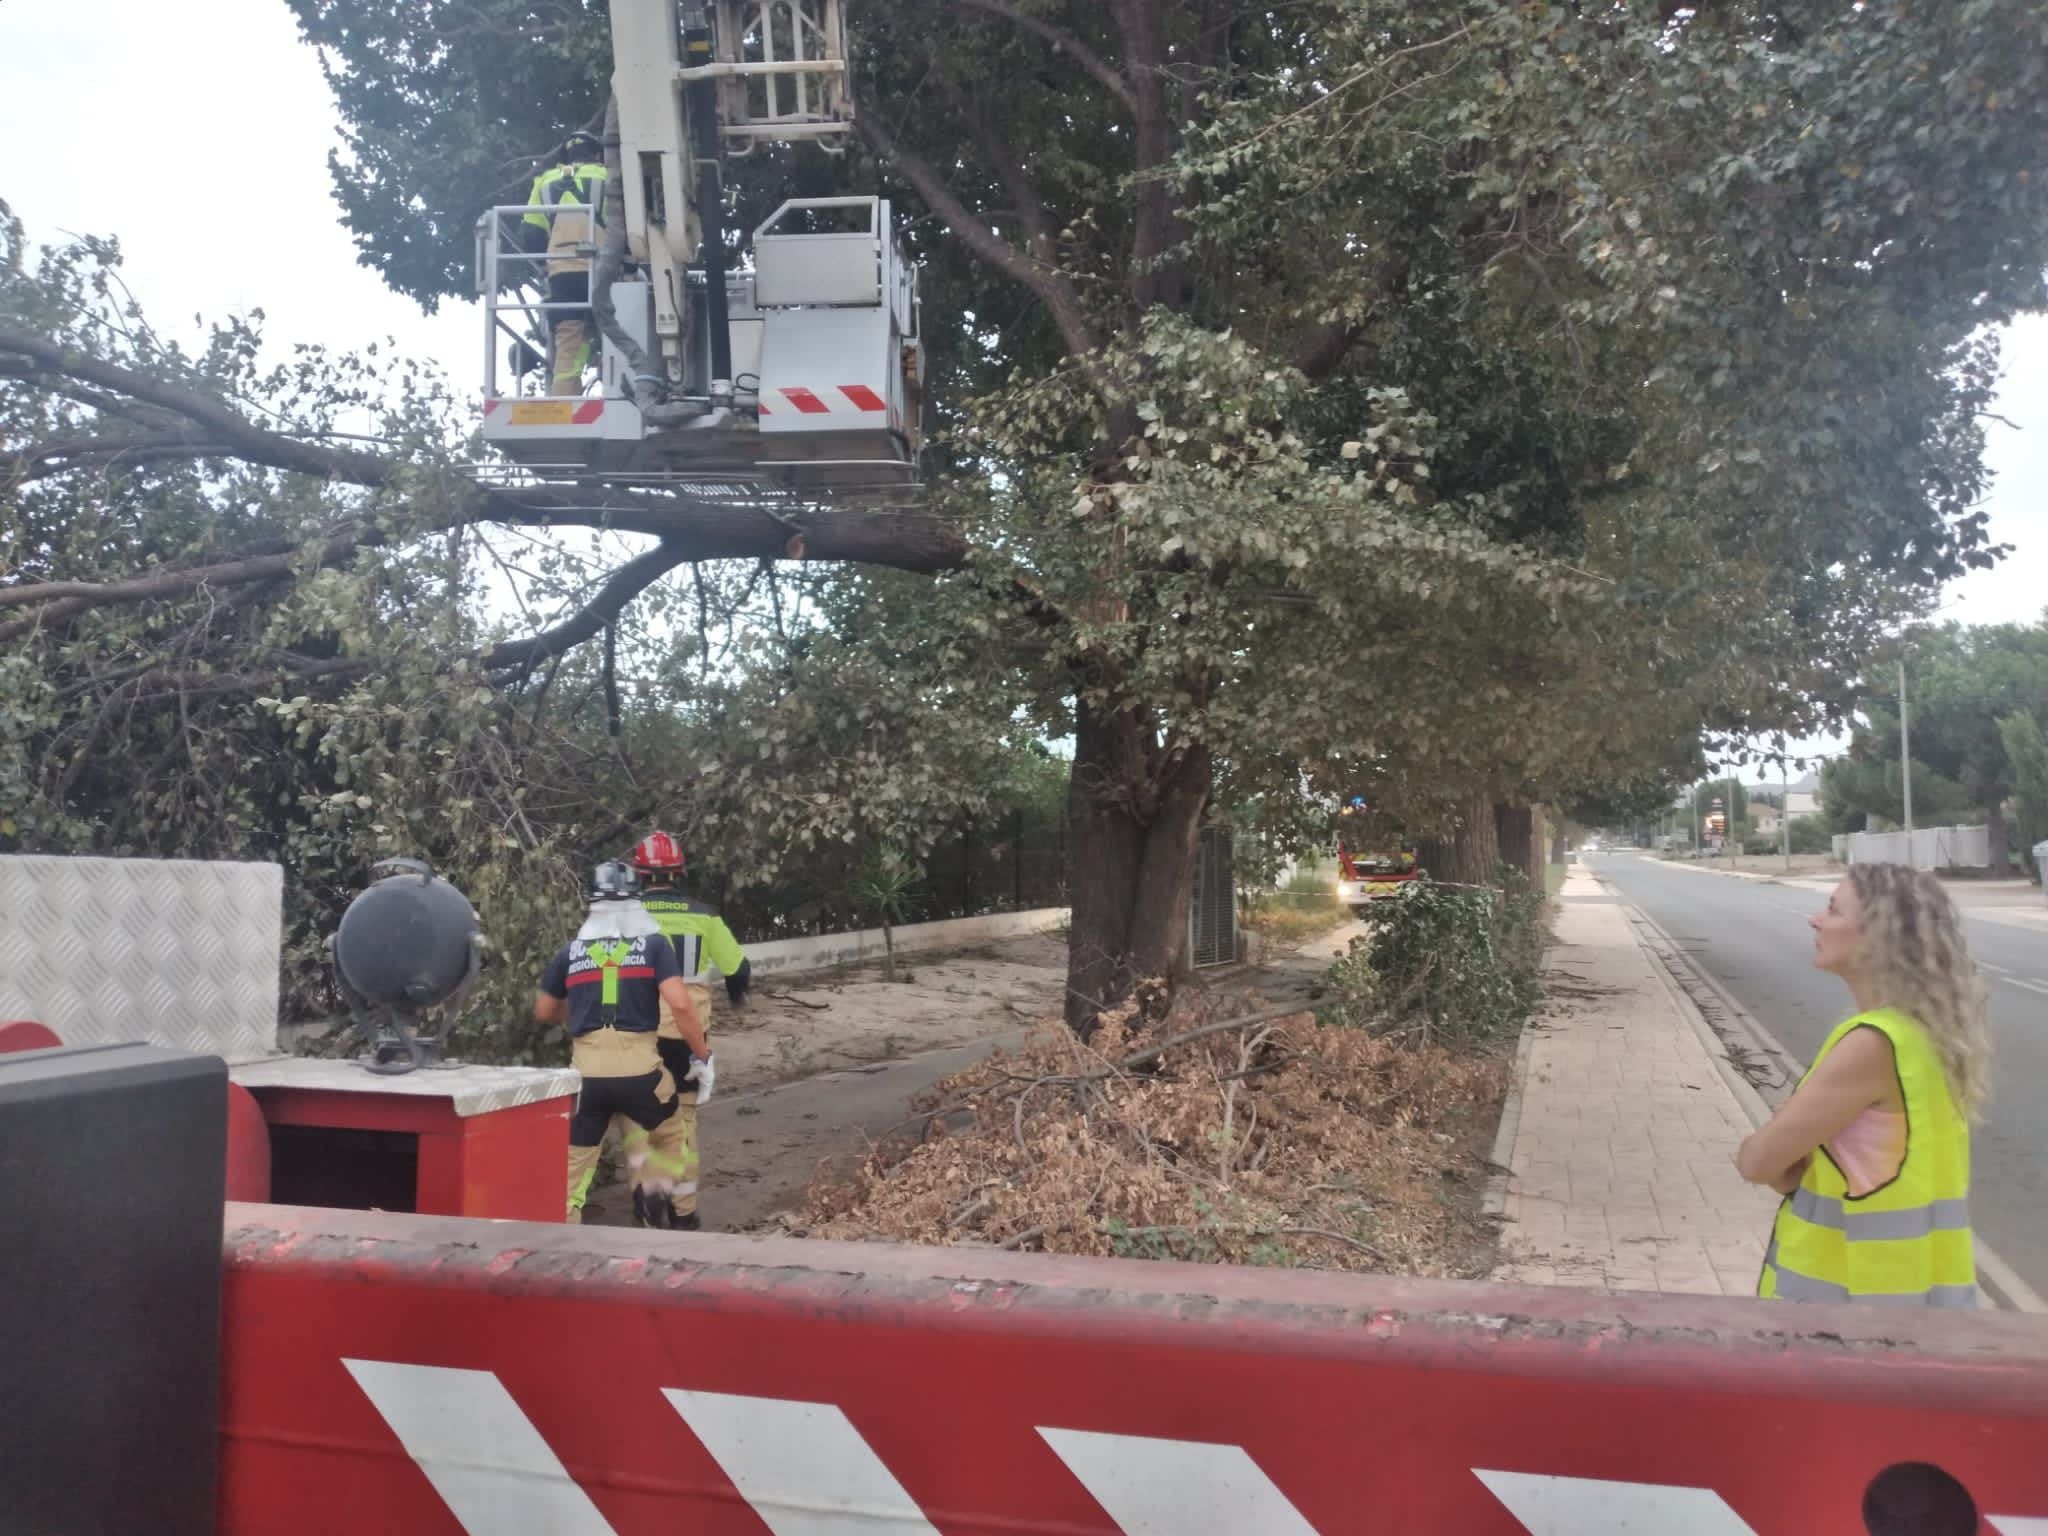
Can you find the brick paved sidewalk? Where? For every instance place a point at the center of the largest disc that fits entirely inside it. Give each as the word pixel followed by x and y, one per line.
pixel 1623 1173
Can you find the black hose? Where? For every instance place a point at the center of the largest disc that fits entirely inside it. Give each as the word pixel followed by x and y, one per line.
pixel 648 385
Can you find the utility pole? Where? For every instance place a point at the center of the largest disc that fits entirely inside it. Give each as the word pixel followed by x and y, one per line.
pixel 1785 812
pixel 1906 760
pixel 1695 821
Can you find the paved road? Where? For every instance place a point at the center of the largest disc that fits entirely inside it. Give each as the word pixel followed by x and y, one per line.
pixel 1753 938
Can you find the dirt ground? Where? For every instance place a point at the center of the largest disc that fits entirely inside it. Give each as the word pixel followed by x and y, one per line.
pixel 816 1066
pixel 821 1067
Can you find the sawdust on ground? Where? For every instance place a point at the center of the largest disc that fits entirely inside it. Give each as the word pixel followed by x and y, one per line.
pixel 1242 1135
pixel 814 1068
pixel 832 1022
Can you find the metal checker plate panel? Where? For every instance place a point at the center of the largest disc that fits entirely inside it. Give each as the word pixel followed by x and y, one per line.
pixel 178 953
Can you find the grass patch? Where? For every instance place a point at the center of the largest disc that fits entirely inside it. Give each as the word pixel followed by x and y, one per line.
pixel 1305 907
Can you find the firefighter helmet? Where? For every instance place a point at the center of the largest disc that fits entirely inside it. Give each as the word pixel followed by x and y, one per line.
pixel 580 148
pixel 657 852
pixel 613 881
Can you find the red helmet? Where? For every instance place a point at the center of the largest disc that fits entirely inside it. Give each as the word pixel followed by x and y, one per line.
pixel 657 851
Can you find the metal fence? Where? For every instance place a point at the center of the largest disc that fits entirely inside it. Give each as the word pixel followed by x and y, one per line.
pixel 1010 865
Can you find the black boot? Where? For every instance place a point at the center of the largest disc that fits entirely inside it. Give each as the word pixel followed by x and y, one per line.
pixel 690 1223
pixel 653 1210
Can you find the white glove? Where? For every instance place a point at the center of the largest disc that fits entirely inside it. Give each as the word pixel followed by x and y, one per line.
pixel 703 1074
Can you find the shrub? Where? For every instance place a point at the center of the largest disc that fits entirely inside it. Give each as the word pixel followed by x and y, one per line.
pixel 1452 965
pixel 1810 835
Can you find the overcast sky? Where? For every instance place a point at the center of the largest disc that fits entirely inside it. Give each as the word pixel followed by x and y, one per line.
pixel 198 134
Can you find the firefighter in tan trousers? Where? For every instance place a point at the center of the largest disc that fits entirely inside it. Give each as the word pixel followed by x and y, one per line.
pixel 703 943
pixel 613 984
pixel 577 176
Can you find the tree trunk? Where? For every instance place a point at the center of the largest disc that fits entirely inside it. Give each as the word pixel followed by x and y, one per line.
pixel 1518 828
pixel 1134 827
pixel 1994 832
pixel 1469 852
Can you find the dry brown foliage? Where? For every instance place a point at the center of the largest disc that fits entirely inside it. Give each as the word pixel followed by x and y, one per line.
pixel 1261 1139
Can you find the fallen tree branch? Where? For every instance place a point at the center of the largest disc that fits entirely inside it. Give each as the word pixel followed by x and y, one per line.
pixel 257 445
pixel 183 420
pixel 1115 1069
pixel 59 600
pixel 606 604
pixel 1244 1231
pixel 1221 1026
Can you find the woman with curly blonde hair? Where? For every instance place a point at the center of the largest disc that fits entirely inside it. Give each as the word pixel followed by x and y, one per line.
pixel 1872 1150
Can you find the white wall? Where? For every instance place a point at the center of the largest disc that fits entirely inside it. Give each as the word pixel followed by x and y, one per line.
pixel 821 952
pixel 1924 848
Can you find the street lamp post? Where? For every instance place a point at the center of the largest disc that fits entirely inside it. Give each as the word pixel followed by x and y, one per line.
pixel 1785 813
pixel 1906 762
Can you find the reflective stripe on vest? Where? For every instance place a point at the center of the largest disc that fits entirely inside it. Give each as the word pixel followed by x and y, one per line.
pixel 580 183
pixel 608 958
pixel 1793 1286
pixel 1867 1226
pixel 1906 1243
pixel 699 934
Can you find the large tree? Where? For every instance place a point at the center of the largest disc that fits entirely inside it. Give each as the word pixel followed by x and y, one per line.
pixel 1963 685
pixel 1476 399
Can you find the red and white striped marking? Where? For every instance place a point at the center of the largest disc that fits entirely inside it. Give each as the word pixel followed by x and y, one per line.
pixel 1153 1487
pixel 1566 1506
pixel 828 400
pixel 805 1470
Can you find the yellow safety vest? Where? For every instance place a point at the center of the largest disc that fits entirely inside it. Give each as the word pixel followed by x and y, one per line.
pixel 1908 1242
pixel 568 233
pixel 699 935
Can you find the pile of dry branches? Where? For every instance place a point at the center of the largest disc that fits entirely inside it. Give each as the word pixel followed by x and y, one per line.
pixel 1263 1138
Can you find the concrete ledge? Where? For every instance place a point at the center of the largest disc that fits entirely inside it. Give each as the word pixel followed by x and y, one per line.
pixel 792 957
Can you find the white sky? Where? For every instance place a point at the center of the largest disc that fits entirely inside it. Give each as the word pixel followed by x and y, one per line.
pixel 198 134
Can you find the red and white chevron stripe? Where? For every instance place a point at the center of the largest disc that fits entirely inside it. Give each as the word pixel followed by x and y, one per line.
pixel 805 1470
pixel 825 400
pixel 521 1378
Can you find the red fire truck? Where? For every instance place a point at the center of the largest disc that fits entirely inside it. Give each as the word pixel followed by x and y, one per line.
pixel 1370 865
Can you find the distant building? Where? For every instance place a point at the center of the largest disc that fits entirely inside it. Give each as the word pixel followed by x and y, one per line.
pixel 1801 797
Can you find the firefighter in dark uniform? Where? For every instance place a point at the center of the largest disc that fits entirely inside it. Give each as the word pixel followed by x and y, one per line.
pixel 612 984
pixel 703 944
